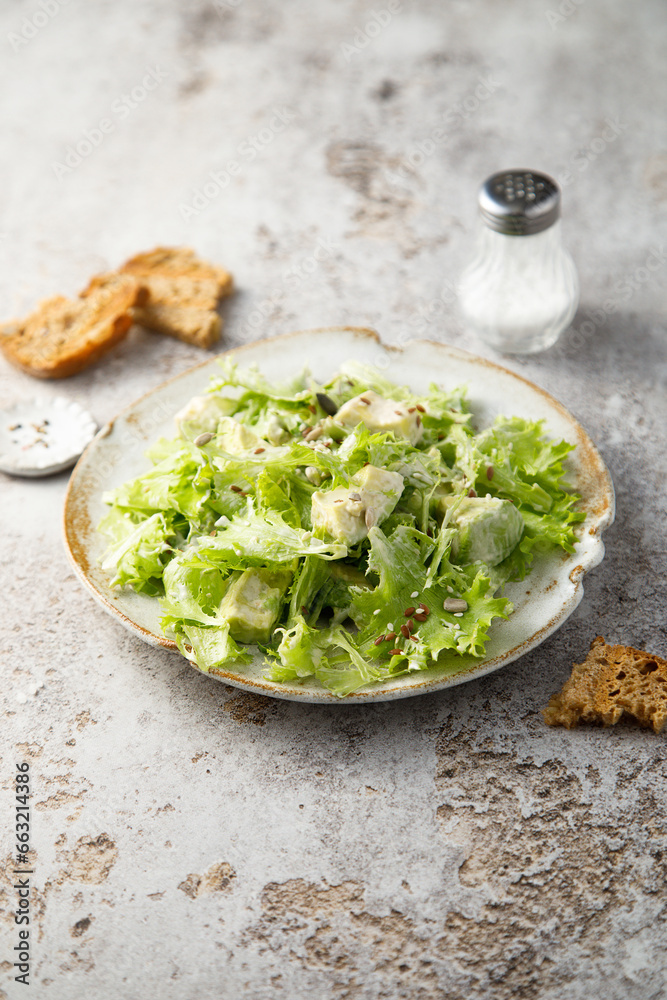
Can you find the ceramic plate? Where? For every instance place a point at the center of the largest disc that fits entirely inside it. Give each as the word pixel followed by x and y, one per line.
pixel 542 602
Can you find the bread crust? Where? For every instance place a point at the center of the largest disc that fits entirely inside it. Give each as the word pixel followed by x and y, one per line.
pixel 63 336
pixel 613 681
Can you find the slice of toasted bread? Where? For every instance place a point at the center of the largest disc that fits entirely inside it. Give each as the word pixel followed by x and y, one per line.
pixel 183 294
pixel 63 336
pixel 612 681
pixel 200 327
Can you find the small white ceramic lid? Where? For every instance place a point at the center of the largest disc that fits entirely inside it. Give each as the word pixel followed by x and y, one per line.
pixel 39 437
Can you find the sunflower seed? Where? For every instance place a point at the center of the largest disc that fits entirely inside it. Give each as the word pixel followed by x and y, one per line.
pixel 203 439
pixel 313 475
pixel 456 605
pixel 371 517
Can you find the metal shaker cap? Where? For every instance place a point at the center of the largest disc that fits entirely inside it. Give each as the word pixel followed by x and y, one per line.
pixel 519 202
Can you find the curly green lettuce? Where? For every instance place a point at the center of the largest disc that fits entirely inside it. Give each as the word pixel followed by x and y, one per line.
pixel 225 531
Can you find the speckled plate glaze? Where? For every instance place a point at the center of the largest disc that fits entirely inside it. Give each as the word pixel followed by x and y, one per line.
pixel 542 602
pixel 39 437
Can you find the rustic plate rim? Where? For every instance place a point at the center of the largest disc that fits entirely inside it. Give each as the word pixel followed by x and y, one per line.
pixel 424 682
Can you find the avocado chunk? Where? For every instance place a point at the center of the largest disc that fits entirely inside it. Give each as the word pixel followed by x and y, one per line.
pixel 202 414
pixel 234 437
pixel 348 513
pixel 382 415
pixel 487 530
pixel 252 603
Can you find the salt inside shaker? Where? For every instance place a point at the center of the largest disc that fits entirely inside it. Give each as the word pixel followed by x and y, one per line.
pixel 521 290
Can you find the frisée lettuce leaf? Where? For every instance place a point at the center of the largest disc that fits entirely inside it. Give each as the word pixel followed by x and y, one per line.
pixel 352 550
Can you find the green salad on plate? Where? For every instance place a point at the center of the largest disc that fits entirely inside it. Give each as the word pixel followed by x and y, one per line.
pixel 352 530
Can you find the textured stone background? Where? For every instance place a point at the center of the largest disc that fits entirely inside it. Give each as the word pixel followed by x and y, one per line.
pixel 193 841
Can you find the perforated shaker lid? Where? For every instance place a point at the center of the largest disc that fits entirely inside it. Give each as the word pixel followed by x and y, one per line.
pixel 519 202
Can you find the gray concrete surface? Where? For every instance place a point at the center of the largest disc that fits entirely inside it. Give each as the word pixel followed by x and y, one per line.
pixel 192 841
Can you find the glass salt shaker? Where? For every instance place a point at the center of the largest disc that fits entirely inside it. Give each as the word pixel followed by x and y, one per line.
pixel 521 290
